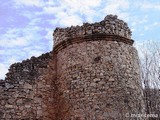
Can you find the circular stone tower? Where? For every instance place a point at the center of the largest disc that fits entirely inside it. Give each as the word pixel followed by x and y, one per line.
pixel 98 72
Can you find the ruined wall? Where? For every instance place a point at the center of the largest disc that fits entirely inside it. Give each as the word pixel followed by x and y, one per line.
pixel 98 72
pixel 110 25
pixel 27 92
pixel 91 74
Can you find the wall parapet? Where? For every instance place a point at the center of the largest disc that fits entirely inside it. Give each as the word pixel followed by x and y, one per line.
pixel 110 25
pixel 93 37
pixel 27 68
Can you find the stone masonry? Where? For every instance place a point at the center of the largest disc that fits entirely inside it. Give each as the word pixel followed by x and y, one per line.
pixel 92 74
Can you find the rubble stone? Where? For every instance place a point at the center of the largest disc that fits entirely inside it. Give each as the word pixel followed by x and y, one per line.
pixel 92 73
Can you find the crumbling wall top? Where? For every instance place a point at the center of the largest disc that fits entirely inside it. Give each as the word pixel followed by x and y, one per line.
pixel 111 25
pixel 27 70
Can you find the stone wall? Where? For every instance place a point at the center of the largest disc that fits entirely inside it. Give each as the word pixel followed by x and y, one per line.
pixel 98 71
pixel 91 74
pixel 104 86
pixel 27 92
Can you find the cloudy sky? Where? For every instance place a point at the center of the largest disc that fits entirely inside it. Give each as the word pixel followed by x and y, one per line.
pixel 26 26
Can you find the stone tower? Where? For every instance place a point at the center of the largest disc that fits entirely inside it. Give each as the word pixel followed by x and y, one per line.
pixel 92 74
pixel 98 71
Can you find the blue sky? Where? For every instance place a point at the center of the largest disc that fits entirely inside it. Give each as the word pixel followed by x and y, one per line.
pixel 26 26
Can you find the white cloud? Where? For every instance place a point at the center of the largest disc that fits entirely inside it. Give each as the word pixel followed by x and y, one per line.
pixel 71 9
pixel 151 26
pixel 156 24
pixel 10 52
pixel 81 4
pixel 117 7
pixel 11 56
pixel 70 20
pixel 149 5
pixel 146 27
pixel 35 53
pixel 34 21
pixel 49 38
pixel 86 8
pixel 12 60
pixel 27 14
pixel 37 3
pixel 2 51
pixel 13 43
pixel 20 36
pixel 3 70
pixel 138 21
pixel 113 6
pixel 62 17
pixel 52 9
pixel 49 35
pixel 142 34
pixel 53 22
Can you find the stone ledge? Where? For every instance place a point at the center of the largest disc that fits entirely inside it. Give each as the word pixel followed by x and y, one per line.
pixel 93 37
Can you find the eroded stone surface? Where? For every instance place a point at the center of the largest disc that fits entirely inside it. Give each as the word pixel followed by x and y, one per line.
pixel 110 25
pixel 26 92
pixel 100 83
pixel 91 74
